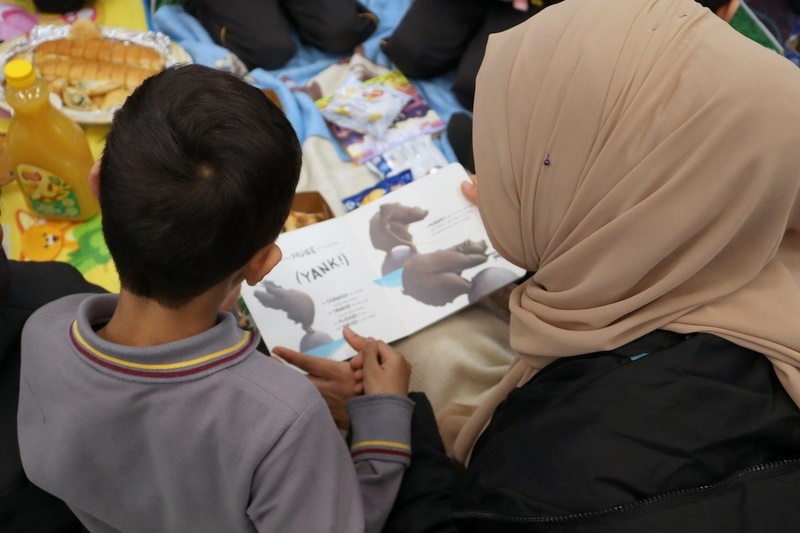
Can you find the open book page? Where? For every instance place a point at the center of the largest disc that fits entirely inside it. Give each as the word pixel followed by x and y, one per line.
pixel 323 283
pixel 387 269
pixel 430 247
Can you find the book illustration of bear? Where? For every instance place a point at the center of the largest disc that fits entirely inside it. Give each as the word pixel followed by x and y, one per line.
pixel 299 307
pixel 431 278
pixel 388 227
pixel 435 278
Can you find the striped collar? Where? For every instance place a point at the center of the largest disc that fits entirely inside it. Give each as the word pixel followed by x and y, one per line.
pixel 222 346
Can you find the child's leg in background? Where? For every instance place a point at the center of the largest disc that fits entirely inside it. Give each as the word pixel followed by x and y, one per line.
pixel 500 17
pixel 334 26
pixel 433 35
pixel 255 30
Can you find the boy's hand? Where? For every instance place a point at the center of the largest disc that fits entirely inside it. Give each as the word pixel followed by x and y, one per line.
pixel 470 189
pixel 333 379
pixel 381 369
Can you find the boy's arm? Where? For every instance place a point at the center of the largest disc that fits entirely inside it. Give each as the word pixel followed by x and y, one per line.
pixel 380 450
pixel 381 426
pixel 306 482
pixel 380 421
pixel 424 501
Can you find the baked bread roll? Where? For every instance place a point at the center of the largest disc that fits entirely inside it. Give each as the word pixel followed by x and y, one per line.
pixel 90 72
pixel 84 29
pixel 101 50
pixel 76 70
pixel 114 98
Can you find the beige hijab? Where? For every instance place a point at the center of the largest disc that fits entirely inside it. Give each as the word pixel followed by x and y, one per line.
pixel 644 160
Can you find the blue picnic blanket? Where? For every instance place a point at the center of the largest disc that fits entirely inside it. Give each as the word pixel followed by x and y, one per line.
pixel 307 63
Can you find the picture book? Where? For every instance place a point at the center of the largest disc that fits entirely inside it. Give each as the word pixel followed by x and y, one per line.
pixel 416 118
pixel 387 269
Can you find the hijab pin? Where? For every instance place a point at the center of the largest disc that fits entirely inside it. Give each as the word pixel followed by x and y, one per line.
pixel 547 160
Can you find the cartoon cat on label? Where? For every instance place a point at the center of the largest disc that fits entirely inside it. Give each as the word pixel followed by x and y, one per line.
pixel 42 239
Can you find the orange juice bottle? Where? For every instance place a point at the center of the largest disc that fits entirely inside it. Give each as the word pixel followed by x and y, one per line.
pixel 47 151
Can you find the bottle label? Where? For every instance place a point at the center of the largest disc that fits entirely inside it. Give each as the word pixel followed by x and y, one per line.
pixel 49 195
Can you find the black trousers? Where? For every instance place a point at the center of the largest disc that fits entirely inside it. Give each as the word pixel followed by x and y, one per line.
pixel 23 506
pixel 436 36
pixel 259 32
pixel 58 6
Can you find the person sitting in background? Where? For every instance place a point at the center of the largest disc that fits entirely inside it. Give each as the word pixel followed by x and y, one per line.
pixel 260 32
pixel 642 166
pixel 151 410
pixel 437 36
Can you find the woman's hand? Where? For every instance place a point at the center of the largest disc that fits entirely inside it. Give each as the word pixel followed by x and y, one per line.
pixel 470 189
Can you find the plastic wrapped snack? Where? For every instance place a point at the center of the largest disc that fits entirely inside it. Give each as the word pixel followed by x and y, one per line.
pixel 420 155
pixel 381 188
pixel 365 108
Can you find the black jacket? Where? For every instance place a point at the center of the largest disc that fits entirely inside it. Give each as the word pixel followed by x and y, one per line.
pixel 23 506
pixel 671 433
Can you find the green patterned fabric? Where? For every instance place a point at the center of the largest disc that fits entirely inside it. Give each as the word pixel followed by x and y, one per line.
pixel 747 23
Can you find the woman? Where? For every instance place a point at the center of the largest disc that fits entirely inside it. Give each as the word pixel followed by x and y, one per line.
pixel 643 164
pixel 651 165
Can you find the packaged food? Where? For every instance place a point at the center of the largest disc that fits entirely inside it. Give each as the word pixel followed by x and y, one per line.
pixel 84 67
pixel 791 48
pixel 419 155
pixel 308 208
pixel 92 69
pixel 381 188
pixel 365 108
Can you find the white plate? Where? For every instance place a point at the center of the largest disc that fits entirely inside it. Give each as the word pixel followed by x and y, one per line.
pixel 21 44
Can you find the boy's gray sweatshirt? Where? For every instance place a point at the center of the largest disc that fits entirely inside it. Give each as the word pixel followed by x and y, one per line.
pixel 203 434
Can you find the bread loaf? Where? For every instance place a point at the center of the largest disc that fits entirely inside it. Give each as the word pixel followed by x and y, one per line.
pixel 75 70
pixel 90 72
pixel 104 50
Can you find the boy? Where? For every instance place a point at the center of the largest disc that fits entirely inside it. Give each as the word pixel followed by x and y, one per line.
pixel 150 410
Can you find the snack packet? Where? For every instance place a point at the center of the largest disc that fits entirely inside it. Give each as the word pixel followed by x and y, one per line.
pixel 365 108
pixel 420 155
pixel 381 188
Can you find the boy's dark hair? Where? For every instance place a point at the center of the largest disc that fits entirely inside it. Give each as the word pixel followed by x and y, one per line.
pixel 198 173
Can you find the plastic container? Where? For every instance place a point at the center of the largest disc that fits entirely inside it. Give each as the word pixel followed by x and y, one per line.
pixel 47 151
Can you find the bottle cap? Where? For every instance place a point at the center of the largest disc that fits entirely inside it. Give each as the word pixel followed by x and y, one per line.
pixel 19 73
